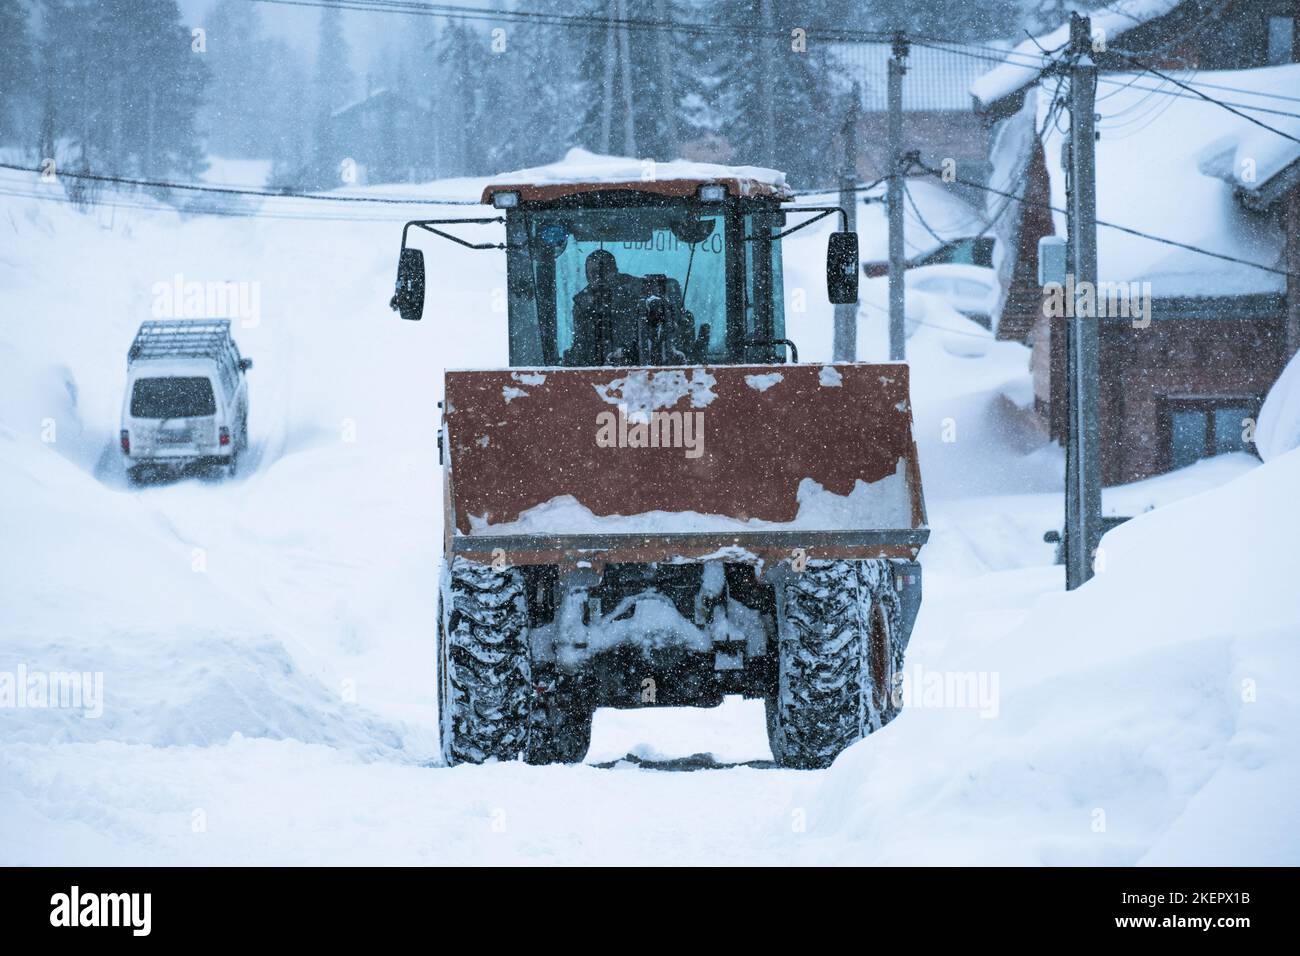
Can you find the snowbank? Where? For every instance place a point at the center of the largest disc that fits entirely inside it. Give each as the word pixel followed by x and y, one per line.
pixel 1147 718
pixel 1278 430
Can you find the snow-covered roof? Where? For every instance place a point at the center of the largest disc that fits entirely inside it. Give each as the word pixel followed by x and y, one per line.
pixel 935 80
pixel 1150 176
pixel 1024 63
pixel 1259 163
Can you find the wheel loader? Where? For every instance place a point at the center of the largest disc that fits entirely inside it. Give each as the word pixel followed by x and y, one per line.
pixel 656 504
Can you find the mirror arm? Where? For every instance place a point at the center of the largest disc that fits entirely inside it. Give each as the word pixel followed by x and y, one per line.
pixel 824 212
pixel 428 224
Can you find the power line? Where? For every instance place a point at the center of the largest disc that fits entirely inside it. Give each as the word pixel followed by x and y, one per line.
pixel 911 201
pixel 1209 99
pixel 1196 95
pixel 116 202
pixel 983 337
pixel 233 191
pixel 1242 89
pixel 827 34
pixel 1112 225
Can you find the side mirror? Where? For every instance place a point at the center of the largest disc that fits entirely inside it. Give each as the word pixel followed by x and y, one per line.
pixel 408 297
pixel 245 364
pixel 842 268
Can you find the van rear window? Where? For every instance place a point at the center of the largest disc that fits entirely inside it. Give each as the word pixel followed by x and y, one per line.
pixel 172 398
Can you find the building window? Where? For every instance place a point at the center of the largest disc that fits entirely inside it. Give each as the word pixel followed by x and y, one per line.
pixel 1196 428
pixel 1281 40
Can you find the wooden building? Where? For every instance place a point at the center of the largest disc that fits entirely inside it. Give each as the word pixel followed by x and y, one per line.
pixel 1185 378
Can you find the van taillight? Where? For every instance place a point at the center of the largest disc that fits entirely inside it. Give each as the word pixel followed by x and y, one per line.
pixel 126 442
pixel 224 436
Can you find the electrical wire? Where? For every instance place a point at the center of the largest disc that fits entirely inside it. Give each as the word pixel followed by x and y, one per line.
pixel 1209 99
pixel 602 22
pixel 1120 228
pixel 239 191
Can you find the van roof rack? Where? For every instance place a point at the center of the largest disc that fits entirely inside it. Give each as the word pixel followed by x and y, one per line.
pixel 182 338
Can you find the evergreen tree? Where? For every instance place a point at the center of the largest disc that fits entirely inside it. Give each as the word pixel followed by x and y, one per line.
pixel 529 94
pixel 15 68
pixel 288 128
pixel 334 87
pixel 121 85
pixel 642 92
pixel 758 77
pixel 461 56
pixel 253 106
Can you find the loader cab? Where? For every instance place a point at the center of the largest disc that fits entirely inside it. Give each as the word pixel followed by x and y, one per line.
pixel 691 271
pixel 708 255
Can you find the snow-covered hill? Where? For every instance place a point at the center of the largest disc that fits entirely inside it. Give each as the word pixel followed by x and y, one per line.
pixel 266 645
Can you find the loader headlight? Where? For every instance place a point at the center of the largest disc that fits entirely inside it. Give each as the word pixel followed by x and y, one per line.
pixel 505 200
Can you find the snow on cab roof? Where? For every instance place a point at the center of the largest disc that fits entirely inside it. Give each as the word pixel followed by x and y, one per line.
pixel 1026 61
pixel 1152 176
pixel 580 170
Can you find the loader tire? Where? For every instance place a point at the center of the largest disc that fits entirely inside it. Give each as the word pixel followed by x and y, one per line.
pixel 837 653
pixel 483 682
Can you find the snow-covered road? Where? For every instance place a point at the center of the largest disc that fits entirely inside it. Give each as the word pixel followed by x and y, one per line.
pixel 266 644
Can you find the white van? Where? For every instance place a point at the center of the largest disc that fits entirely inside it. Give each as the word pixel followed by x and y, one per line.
pixel 186 398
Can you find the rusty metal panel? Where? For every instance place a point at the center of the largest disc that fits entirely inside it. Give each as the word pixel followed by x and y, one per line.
pixel 747 437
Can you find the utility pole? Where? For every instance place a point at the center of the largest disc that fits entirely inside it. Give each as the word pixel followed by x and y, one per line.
pixel 607 94
pixel 766 95
pixel 894 199
pixel 667 96
pixel 625 59
pixel 844 345
pixel 1083 432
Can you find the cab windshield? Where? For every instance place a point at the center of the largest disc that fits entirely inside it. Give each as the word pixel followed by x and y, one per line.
pixel 600 272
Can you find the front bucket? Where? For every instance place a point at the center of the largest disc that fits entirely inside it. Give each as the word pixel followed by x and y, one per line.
pixel 678 463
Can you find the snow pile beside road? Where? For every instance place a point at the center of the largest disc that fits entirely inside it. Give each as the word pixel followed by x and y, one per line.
pixel 1278 430
pixel 1147 718
pixel 94 585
